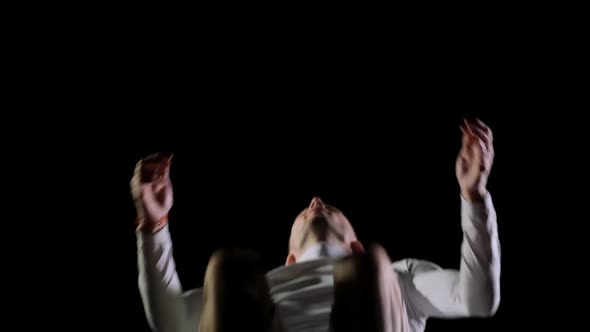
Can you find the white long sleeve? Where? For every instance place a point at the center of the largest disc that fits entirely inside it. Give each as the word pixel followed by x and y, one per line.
pixel 304 291
pixel 471 291
pixel 167 307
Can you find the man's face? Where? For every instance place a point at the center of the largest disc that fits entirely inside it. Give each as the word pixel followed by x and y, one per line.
pixel 320 222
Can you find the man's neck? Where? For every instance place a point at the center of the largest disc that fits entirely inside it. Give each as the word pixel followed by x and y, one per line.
pixel 322 250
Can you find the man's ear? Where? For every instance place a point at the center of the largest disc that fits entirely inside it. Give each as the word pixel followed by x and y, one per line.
pixel 357 247
pixel 290 259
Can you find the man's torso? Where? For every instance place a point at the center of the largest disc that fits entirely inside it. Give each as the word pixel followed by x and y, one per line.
pixel 304 293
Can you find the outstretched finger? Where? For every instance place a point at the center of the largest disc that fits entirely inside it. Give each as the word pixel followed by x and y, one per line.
pixel 485 128
pixel 486 133
pixel 467 135
pixel 154 167
pixel 483 137
pixel 167 164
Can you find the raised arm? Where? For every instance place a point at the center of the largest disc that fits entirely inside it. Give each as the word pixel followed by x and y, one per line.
pixel 473 290
pixel 166 306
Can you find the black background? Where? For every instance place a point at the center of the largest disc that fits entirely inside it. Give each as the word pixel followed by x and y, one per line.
pixel 260 120
pixel 242 185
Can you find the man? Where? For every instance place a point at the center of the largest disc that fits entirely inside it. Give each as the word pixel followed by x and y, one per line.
pixel 329 281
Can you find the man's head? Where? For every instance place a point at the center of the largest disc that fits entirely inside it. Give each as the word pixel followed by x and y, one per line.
pixel 317 223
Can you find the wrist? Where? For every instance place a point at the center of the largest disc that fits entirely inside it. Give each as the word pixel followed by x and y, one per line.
pixel 474 196
pixel 151 226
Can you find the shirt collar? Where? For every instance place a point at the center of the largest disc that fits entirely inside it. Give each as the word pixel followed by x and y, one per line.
pixel 322 250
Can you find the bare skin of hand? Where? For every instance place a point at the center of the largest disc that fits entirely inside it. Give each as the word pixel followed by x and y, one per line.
pixel 151 188
pixel 475 160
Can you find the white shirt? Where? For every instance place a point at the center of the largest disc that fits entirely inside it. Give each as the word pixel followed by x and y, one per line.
pixel 303 291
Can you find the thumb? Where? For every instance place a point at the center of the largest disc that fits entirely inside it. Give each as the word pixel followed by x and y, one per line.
pixel 147 194
pixel 357 247
pixel 154 210
pixel 149 198
pixel 163 194
pixel 168 195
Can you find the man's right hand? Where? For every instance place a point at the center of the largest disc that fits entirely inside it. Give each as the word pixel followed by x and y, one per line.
pixel 151 190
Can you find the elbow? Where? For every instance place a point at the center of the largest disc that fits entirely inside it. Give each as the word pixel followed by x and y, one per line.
pixel 494 301
pixel 489 310
pixel 495 305
pixel 484 303
pixel 485 306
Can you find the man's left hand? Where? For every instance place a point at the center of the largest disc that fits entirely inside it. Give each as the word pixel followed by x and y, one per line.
pixel 475 160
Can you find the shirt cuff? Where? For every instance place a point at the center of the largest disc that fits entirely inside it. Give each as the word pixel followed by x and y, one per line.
pixel 151 239
pixel 150 227
pixel 476 212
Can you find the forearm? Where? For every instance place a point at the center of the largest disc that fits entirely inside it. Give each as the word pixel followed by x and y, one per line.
pixel 158 282
pixel 474 289
pixel 479 275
